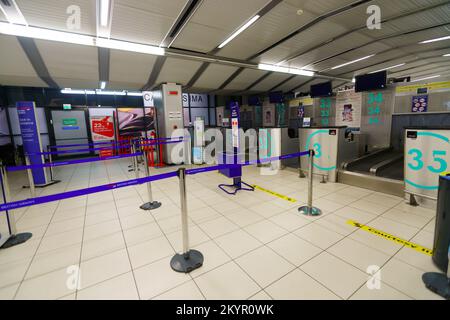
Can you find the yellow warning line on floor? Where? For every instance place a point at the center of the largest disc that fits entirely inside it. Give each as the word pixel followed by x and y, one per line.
pixel 390 237
pixel 274 193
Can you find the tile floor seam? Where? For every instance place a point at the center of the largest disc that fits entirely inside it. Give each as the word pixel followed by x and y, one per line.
pixel 35 253
pixel 176 251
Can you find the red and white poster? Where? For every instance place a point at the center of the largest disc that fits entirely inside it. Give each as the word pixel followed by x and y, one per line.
pixel 102 128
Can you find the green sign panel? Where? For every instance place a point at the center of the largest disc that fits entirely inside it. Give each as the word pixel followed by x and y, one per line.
pixel 70 122
pixel 67 106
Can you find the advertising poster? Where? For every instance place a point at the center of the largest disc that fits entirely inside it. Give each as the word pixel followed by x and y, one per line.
pixel 420 103
pixel 102 128
pixel 29 129
pixel 4 130
pixel 301 111
pixel 268 116
pixel 131 121
pixel 348 108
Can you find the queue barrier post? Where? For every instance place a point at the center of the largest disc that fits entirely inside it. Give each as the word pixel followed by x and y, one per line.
pixel 151 204
pixel 309 209
pixel 14 238
pixel 30 177
pixel 50 160
pixel 189 260
pixel 135 159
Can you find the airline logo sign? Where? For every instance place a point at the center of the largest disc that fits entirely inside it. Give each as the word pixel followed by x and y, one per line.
pixel 195 100
pixel 148 99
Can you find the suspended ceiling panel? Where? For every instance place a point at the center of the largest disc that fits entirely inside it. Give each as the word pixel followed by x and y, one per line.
pixel 433 68
pixel 15 68
pixel 306 86
pixel 320 7
pixel 292 83
pixel 311 37
pixel 386 65
pixel 343 44
pixel 423 19
pixel 144 21
pixel 76 83
pixel 244 79
pixel 276 24
pixel 214 76
pixel 270 82
pixel 2 16
pixel 433 53
pixel 416 37
pixel 53 14
pixel 130 70
pixel 358 15
pixel 214 21
pixel 69 61
pixel 178 71
pixel 365 51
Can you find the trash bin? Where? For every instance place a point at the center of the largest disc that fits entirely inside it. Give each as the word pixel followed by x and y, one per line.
pixel 442 230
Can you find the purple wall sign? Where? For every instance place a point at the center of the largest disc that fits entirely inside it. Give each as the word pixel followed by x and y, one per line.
pixel 30 138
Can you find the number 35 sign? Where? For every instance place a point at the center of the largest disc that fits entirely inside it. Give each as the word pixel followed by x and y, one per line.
pixel 427 154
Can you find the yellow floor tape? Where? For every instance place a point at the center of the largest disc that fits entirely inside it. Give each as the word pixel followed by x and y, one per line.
pixel 390 237
pixel 274 194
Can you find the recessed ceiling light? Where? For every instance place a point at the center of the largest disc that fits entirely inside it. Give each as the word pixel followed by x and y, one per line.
pixel 446 55
pixel 426 78
pixel 351 62
pixel 436 39
pixel 104 12
pixel 388 68
pixel 299 12
pixel 241 29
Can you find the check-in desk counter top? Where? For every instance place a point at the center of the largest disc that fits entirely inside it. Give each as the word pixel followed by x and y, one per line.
pixel 331 149
pixel 427 155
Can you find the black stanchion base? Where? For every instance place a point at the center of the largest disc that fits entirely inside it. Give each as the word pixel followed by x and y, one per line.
pixel 17 239
pixel 43 185
pixel 151 205
pixel 187 262
pixel 438 283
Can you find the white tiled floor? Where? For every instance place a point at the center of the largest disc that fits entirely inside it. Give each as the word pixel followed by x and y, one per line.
pixel 256 246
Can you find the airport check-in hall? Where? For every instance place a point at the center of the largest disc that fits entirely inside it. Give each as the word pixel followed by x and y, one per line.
pixel 224 150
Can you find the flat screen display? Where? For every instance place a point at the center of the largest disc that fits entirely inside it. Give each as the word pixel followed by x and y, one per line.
pixel 254 101
pixel 321 90
pixel 276 97
pixel 370 82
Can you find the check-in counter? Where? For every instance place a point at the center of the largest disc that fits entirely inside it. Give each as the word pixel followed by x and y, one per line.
pixel 275 142
pixel 331 148
pixel 427 155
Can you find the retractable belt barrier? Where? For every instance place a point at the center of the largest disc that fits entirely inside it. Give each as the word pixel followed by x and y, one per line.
pixel 69 162
pixel 189 259
pixel 133 182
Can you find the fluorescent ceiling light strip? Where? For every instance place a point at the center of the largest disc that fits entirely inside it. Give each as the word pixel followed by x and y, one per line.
pixel 389 68
pixel 435 40
pixel 351 62
pixel 70 91
pixel 68 37
pixel 45 34
pixel 129 46
pixel 111 93
pixel 270 67
pixel 134 94
pixel 234 35
pixel 104 12
pixel 102 85
pixel 426 78
pixel 446 55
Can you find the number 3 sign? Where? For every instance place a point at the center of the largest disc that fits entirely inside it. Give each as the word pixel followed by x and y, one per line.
pixel 426 158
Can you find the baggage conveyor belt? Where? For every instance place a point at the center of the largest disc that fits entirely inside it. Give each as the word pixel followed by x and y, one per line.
pixel 385 163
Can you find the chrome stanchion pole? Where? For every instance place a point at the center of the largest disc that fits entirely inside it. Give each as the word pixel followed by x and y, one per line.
pixel 309 210
pixel 30 177
pixel 50 160
pixel 189 260
pixel 135 160
pixel 14 238
pixel 150 205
